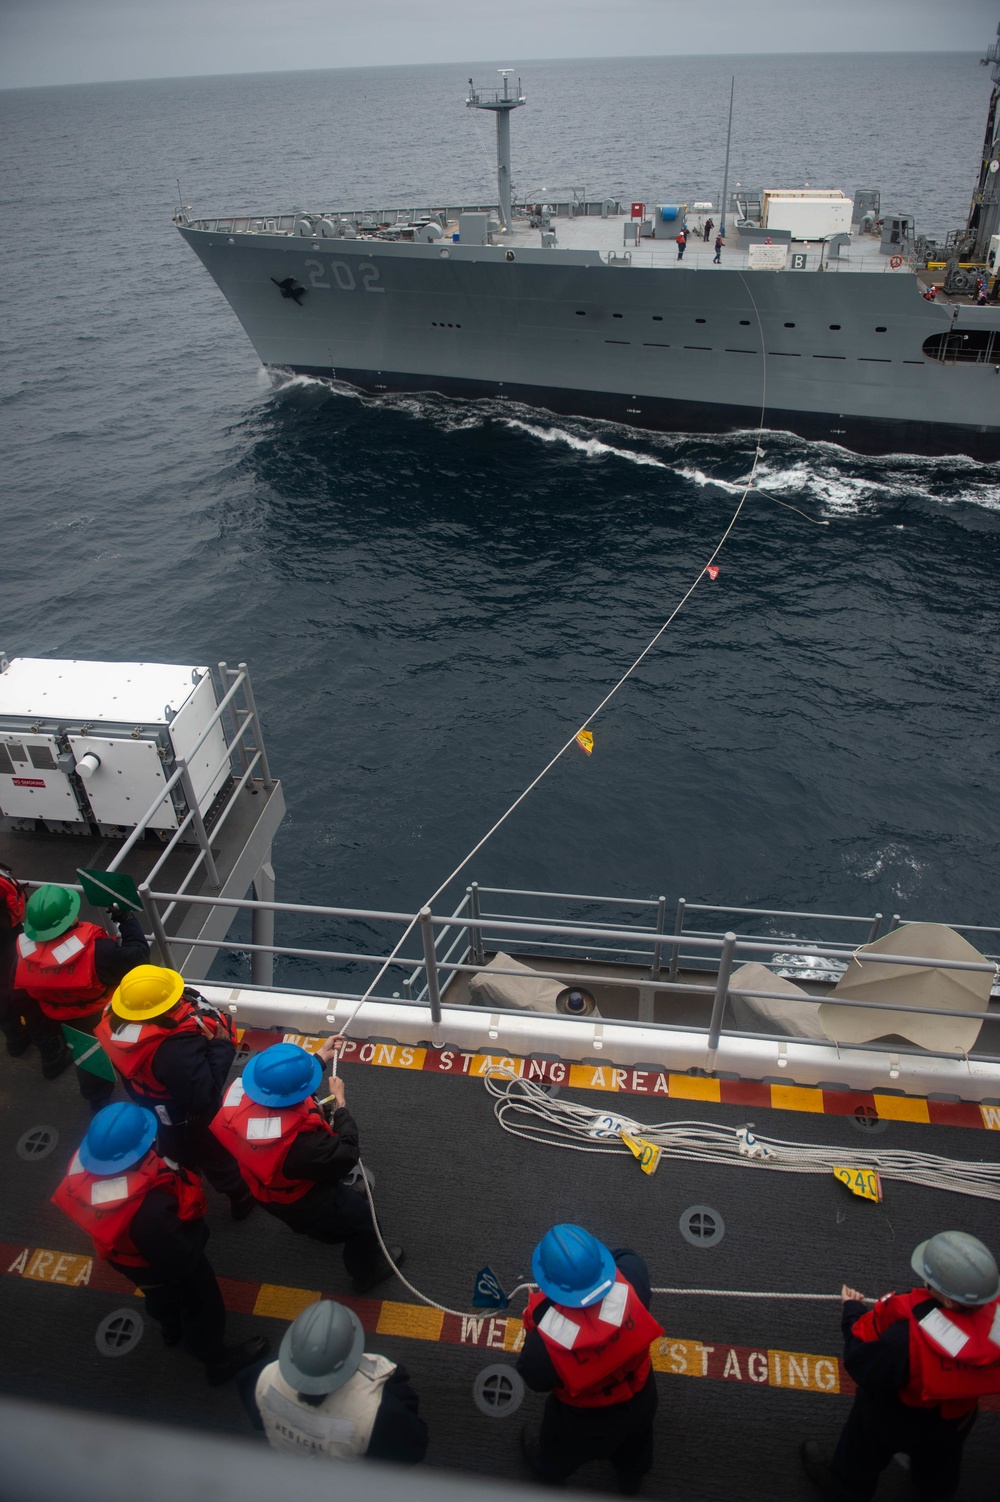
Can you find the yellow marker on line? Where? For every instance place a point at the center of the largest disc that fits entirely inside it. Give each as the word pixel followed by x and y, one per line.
pixel 864 1182
pixel 647 1153
pixel 585 741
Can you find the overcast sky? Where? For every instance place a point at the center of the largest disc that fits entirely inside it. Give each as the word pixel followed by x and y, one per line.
pixel 87 41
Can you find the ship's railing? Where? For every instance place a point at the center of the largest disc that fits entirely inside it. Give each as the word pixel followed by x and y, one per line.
pixel 373 220
pixel 632 948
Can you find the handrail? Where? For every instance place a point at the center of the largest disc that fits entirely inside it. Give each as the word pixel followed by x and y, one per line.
pixel 178 776
pixel 708 942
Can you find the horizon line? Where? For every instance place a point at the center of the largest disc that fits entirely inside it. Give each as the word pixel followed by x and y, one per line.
pixel 85 83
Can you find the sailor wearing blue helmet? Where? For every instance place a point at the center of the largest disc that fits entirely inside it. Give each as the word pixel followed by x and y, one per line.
pixel 587 1345
pixel 295 1152
pixel 146 1217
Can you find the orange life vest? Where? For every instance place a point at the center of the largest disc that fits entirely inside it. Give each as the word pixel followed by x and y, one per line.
pixel 61 973
pixel 104 1206
pixel 259 1138
pixel 600 1354
pixel 954 1353
pixel 132 1046
pixel 12 895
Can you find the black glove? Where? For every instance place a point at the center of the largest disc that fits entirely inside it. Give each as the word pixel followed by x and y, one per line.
pixel 116 912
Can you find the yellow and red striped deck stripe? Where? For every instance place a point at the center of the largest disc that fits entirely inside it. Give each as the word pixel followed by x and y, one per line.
pixel 652 1082
pixel 673 1355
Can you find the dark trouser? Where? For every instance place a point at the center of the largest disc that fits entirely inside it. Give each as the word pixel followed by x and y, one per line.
pixel 192 1144
pixel 623 1434
pixel 11 1013
pixel 11 1010
pixel 47 1032
pixel 191 1307
pixel 878 1428
pixel 335 1214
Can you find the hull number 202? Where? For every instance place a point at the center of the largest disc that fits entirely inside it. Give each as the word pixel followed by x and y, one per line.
pixel 343 276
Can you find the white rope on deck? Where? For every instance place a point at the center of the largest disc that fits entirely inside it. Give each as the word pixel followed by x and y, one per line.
pixel 524 1109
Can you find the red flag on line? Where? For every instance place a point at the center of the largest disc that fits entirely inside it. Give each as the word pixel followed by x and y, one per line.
pixel 712 570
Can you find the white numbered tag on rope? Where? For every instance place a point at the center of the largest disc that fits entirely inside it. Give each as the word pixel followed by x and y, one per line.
pixel 749 1145
pixel 606 1125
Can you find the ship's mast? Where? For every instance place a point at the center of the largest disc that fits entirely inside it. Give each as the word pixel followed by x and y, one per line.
pixel 984 215
pixel 501 102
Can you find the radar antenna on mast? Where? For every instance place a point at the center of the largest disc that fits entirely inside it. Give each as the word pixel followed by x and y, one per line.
pixel 501 102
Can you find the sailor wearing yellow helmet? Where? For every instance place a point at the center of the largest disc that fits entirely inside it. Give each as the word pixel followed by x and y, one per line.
pixel 173 1051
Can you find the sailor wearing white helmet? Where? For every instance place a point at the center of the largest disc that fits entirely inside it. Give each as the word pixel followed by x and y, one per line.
pixel 921 1360
pixel 325 1396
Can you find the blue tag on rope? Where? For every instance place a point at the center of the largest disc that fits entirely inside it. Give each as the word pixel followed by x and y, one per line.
pixel 486 1291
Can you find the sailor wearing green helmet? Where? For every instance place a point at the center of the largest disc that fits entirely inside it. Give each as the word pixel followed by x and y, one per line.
pixel 67 970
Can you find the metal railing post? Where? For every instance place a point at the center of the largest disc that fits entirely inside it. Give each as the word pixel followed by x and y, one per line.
pixel 258 735
pixel 262 927
pixel 430 964
pixel 232 720
pixel 476 950
pixel 894 922
pixel 198 823
pixel 156 924
pixel 661 919
pixel 678 930
pixel 721 990
pixel 876 925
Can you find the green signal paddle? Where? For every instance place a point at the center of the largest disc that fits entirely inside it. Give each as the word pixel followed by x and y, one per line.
pixel 88 1053
pixel 102 888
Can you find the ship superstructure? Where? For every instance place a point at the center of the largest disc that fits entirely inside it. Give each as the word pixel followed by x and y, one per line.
pixel 586 305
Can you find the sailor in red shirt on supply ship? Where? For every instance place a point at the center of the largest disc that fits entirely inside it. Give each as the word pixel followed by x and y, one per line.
pixel 69 969
pixel 588 1333
pixel 295 1157
pixel 173 1052
pixel 146 1216
pixel 921 1361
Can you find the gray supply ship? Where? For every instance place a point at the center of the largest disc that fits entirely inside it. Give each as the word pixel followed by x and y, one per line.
pixel 814 320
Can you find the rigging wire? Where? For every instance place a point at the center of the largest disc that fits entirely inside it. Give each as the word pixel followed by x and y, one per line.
pixel 653 641
pixel 701 1141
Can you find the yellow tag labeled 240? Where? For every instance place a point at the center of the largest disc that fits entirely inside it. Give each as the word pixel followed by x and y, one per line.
pixel 864 1182
pixel 647 1152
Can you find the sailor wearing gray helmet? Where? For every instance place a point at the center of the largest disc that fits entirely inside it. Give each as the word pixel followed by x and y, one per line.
pixel 325 1396
pixel 921 1361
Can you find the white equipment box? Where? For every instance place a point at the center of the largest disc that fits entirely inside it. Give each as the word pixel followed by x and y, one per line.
pixel 808 213
pixel 85 744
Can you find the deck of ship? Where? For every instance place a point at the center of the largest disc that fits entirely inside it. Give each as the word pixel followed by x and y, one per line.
pixel 740 1381
pixel 607 236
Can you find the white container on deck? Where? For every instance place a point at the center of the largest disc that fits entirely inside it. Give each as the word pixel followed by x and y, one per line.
pixel 86 744
pixel 808 213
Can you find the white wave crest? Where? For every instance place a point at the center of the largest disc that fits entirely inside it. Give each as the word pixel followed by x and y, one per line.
pixel 594 448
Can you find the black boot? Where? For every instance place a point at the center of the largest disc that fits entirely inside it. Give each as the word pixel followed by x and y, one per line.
pixel 381 1271
pixel 241 1205
pixel 18 1039
pixel 818 1470
pixel 55 1057
pixel 235 1359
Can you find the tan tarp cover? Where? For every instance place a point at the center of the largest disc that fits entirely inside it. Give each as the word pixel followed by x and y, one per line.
pixel 525 990
pixel 797 1018
pixel 913 986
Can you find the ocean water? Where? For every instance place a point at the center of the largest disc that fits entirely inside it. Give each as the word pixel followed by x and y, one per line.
pixel 432 594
